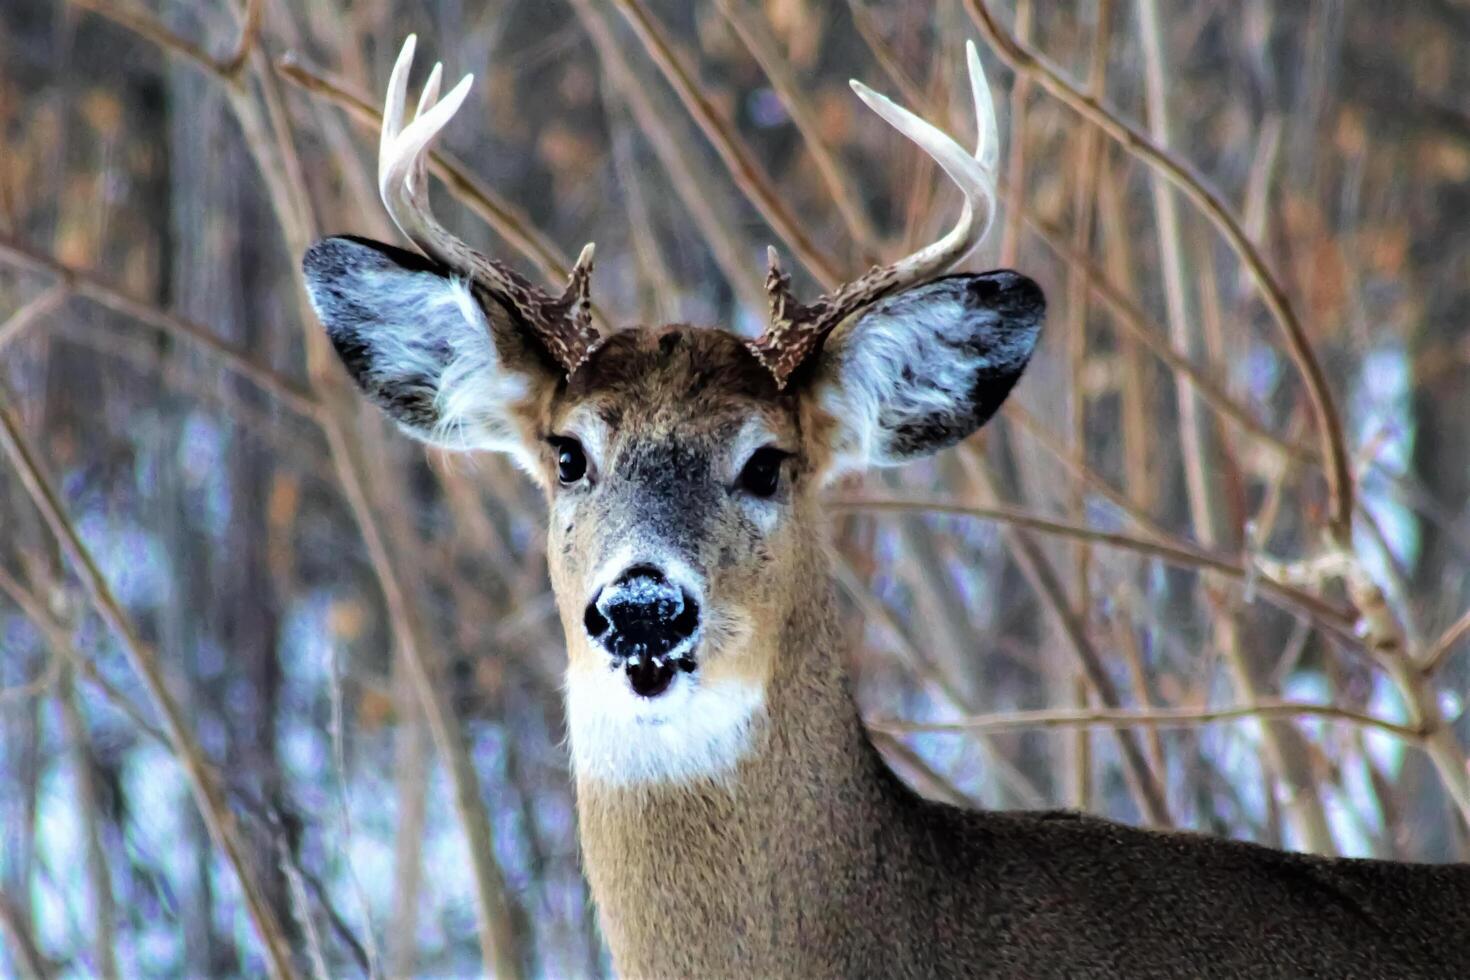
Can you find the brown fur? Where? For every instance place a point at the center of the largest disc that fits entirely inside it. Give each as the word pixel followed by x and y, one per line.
pixel 813 860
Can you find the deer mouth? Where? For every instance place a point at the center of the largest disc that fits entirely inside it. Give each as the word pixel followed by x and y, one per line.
pixel 651 675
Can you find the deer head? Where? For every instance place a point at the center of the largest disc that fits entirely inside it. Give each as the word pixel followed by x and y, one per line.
pixel 682 467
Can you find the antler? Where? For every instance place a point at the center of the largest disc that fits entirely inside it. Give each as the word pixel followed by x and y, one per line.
pixel 797 329
pixel 561 324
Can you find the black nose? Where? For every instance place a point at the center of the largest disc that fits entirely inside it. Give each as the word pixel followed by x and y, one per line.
pixel 641 616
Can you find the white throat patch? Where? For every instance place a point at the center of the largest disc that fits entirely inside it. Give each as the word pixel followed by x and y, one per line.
pixel 696 729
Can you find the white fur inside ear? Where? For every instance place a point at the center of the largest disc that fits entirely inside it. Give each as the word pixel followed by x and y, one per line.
pixel 694 730
pixel 899 361
pixel 924 368
pixel 424 334
pixel 475 390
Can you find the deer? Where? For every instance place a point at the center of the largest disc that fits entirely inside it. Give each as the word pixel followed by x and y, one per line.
pixel 733 816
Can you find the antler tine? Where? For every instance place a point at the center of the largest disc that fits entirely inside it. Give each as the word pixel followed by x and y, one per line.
pixel 798 329
pixel 563 325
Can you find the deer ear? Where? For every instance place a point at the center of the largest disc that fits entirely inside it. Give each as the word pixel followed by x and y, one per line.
pixel 445 364
pixel 922 369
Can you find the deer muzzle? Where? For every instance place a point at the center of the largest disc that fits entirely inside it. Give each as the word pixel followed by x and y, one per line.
pixel 647 624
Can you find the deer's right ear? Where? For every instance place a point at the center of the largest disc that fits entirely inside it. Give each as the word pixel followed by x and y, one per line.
pixel 447 367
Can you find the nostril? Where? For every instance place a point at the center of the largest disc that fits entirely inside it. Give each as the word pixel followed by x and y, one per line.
pixel 687 621
pixel 641 571
pixel 595 622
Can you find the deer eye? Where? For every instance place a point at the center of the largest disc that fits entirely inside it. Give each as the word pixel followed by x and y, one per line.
pixel 571 461
pixel 761 475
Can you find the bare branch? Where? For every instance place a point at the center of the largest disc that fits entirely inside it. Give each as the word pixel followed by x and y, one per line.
pixel 751 26
pixel 1173 552
pixel 40 306
pixel 1027 61
pixel 233 63
pixel 738 158
pixel 207 795
pixel 88 285
pixel 1440 652
pixel 719 232
pixel 1013 721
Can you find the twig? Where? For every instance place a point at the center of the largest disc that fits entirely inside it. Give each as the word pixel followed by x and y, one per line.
pixel 234 63
pixel 61 646
pixel 1145 784
pixel 1088 175
pixel 150 28
pixel 1202 453
pixel 88 285
pixel 659 286
pixel 43 304
pixel 928 782
pixel 1126 313
pixel 1173 553
pixel 1012 721
pixel 27 955
pixel 207 795
pixel 498 941
pixel 1445 645
pixel 913 93
pixel 1026 60
pixel 1015 190
pixel 99 873
pixel 34 687
pixel 1028 424
pixel 653 114
pixel 741 163
pixel 759 41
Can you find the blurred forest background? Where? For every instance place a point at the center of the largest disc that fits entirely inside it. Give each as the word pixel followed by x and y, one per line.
pixel 280 689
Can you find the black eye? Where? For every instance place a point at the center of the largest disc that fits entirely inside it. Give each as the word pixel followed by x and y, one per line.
pixel 571 462
pixel 762 473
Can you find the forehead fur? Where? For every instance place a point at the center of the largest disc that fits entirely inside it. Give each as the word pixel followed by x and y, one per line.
pixel 674 374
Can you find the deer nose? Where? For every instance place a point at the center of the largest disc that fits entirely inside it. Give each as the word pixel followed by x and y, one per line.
pixel 642 616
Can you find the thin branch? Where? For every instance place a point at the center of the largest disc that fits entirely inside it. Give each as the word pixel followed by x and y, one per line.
pixel 34 687
pixel 738 158
pixel 1203 454
pixel 1029 424
pixel 1145 784
pixel 61 646
pixel 1013 721
pixel 1437 655
pixel 913 93
pixel 496 932
pixel 1127 314
pixel 1026 60
pixel 752 29
pixel 207 795
pixel 150 28
pixel 1173 553
pixel 99 871
pixel 689 176
pixel 42 305
pixel 88 285
pixel 1015 190
pixel 233 63
pixel 26 955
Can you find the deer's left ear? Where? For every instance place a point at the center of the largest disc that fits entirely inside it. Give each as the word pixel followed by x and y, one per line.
pixel 922 369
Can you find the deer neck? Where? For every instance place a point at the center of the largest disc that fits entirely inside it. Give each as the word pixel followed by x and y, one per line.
pixel 686 874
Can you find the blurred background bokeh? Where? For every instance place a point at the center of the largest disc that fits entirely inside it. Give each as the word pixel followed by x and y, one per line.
pixel 270 669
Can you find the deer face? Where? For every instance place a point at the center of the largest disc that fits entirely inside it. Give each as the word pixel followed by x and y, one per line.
pixel 682 482
pixel 681 466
